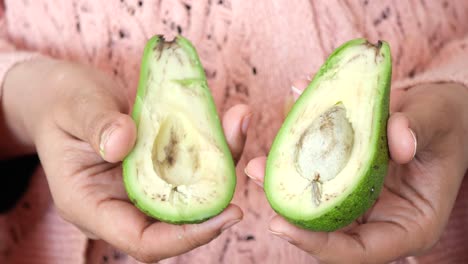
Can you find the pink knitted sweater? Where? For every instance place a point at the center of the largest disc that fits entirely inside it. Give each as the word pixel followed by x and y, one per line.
pixel 251 51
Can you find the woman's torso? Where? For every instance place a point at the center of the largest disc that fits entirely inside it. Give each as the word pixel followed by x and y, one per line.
pixel 251 51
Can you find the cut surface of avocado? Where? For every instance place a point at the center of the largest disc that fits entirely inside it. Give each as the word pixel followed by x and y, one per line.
pixel 328 161
pixel 180 169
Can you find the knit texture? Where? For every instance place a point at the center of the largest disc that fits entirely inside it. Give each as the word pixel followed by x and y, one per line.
pixel 251 51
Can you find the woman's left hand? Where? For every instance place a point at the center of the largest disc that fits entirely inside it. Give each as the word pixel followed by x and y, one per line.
pixel 428 143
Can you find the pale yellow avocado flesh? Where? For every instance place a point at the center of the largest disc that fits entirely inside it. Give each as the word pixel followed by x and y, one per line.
pixel 350 83
pixel 180 169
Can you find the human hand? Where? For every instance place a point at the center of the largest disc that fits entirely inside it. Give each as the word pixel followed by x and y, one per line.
pixel 429 150
pixel 78 120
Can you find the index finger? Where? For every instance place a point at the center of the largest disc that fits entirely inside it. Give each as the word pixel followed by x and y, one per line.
pixel 255 169
pixel 235 124
pixel 124 226
pixel 376 242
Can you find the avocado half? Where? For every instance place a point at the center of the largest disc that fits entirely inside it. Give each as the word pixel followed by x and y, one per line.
pixel 180 169
pixel 328 162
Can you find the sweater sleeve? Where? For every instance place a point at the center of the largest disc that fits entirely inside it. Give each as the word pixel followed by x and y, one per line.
pixel 449 65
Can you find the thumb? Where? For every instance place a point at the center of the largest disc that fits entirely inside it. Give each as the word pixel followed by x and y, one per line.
pixel 420 123
pixel 114 136
pixel 101 121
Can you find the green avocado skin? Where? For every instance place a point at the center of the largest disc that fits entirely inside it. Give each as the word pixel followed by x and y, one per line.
pixel 128 162
pixel 368 189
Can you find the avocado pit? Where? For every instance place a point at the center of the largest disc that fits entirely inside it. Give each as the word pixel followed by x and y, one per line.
pixel 324 148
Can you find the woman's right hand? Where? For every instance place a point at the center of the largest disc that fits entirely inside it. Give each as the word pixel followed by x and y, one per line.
pixel 77 120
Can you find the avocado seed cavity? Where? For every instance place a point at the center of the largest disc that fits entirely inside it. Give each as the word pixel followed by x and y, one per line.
pixel 175 157
pixel 324 149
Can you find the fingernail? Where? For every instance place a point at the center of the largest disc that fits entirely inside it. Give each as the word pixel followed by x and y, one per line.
pixel 415 141
pixel 283 236
pixel 296 92
pixel 256 181
pixel 104 138
pixel 245 123
pixel 229 224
